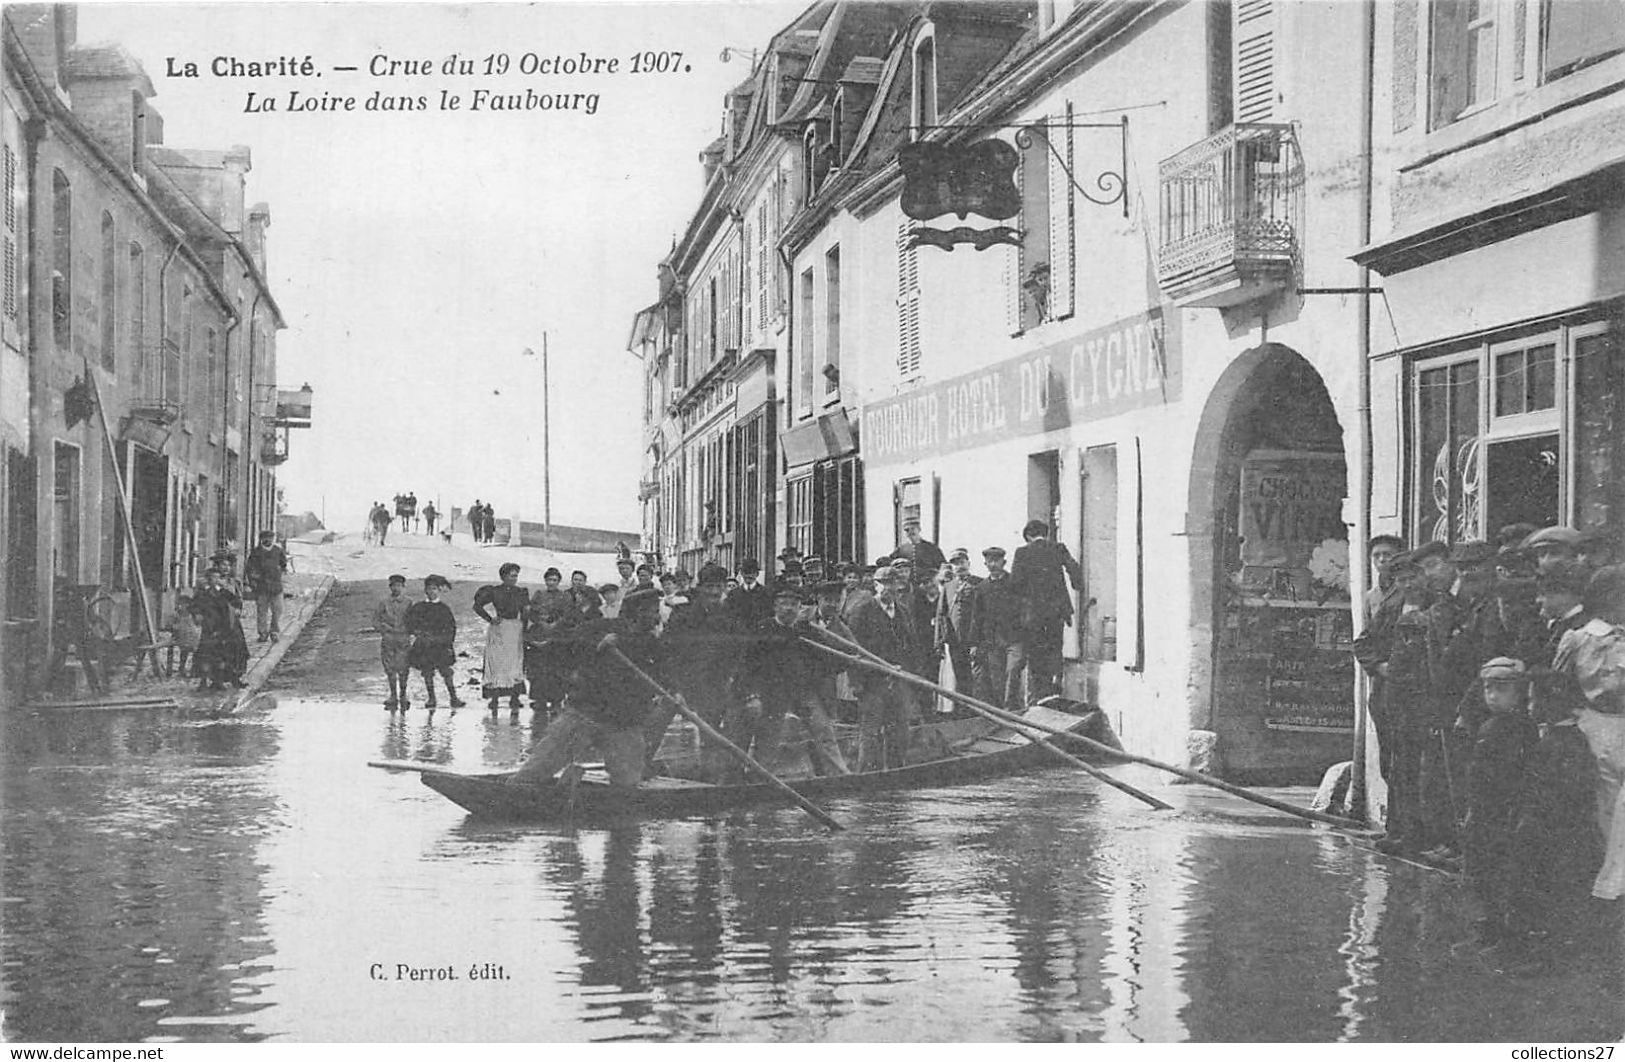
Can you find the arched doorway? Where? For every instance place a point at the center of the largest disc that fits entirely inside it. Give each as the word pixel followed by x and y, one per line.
pixel 1271 675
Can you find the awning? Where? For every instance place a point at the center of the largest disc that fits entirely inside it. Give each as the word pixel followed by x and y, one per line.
pixel 831 435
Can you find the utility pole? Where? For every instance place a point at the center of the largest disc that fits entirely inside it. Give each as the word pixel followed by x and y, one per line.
pixel 547 468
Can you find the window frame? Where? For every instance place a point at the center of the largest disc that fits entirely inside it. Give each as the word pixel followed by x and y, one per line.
pixel 1500 426
pixel 1560 420
pixel 919 120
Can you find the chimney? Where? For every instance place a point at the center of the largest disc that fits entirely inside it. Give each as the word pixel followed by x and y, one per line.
pixel 259 219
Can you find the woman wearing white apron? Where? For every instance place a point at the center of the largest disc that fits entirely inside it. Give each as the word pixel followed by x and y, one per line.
pixel 504 637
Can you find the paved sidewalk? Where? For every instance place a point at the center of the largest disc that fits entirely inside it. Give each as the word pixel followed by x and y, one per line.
pixel 305 594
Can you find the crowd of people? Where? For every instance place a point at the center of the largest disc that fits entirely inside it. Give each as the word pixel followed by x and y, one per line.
pixel 406 512
pixel 1497 689
pixel 740 652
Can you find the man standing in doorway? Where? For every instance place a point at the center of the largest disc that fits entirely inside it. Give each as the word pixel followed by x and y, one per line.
pixel 1039 575
pixel 926 557
pixel 266 564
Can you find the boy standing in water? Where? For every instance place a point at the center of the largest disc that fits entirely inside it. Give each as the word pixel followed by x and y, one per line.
pixel 434 630
pixel 395 643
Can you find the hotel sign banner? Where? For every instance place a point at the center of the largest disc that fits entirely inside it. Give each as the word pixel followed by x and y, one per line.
pixel 1131 364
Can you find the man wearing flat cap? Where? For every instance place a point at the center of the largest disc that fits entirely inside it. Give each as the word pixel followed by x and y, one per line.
pixel 925 556
pixel 952 626
pixel 883 626
pixel 994 629
pixel 1422 683
pixel 1555 549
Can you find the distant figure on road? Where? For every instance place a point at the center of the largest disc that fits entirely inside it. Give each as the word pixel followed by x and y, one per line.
pixel 489 523
pixel 380 523
pixel 476 520
pixel 410 523
pixel 430 515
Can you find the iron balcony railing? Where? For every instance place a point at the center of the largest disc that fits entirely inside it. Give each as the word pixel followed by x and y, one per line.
pixel 158 396
pixel 1231 205
pixel 273 449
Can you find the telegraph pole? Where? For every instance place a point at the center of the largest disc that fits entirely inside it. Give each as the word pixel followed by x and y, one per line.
pixel 547 468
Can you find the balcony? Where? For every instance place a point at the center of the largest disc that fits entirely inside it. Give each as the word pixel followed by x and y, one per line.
pixel 158 398
pixel 1232 209
pixel 273 449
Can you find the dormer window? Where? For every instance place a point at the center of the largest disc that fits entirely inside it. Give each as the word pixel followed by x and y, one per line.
pixel 837 125
pixel 925 82
pixel 815 157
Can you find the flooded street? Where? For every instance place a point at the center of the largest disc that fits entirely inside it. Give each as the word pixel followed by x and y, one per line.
pixel 170 876
pixel 251 879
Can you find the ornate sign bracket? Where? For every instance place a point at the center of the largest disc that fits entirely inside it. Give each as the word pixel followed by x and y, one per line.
pixel 1112 185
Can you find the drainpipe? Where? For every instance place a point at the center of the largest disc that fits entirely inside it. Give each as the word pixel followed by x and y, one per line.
pixel 1359 568
pixel 251 437
pixel 225 412
pixel 38 640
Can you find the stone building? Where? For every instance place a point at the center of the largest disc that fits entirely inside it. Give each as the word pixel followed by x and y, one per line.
pixel 140 335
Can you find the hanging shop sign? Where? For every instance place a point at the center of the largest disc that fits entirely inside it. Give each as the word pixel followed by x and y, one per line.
pixel 959 179
pixel 1131 364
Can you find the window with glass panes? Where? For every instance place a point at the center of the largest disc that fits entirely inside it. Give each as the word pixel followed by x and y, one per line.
pixel 1522 429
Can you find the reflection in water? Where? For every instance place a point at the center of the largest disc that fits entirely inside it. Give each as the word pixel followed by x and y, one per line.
pixel 247 878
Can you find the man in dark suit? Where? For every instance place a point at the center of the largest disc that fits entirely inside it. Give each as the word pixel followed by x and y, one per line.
pixel 1039 574
pixel 751 602
pixel 883 625
pixel 925 556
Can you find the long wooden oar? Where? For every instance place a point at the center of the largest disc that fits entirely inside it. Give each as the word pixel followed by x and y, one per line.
pixel 975 706
pixel 740 754
pixel 863 657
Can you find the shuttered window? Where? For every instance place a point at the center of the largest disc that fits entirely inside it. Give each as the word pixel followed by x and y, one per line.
pixel 11 233
pixel 1029 272
pixel 763 241
pixel 1062 220
pixel 1254 61
pixel 908 304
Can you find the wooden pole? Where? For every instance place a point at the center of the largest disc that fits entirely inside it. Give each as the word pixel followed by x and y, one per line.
pixel 547 466
pixel 865 657
pixel 978 708
pixel 740 754
pixel 124 507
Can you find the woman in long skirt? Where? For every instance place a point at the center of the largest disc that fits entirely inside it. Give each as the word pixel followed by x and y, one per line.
pixel 502 607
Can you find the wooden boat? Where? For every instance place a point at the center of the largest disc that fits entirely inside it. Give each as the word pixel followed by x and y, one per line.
pixel 943 754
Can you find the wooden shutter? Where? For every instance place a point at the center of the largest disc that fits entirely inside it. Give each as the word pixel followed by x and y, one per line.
pixel 1062 221
pixel 1253 67
pixel 763 240
pixel 11 232
pixel 1406 19
pixel 908 303
pixel 1033 178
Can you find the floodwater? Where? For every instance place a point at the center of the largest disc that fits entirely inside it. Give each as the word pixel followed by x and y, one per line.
pixel 170 877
